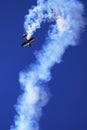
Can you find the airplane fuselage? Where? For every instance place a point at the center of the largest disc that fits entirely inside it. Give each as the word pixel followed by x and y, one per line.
pixel 28 42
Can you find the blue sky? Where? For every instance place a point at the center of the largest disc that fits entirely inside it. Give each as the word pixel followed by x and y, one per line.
pixel 67 109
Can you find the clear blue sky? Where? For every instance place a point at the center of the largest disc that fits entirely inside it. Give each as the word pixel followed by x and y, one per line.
pixel 67 109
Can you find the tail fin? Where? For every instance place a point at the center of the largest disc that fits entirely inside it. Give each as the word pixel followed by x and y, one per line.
pixel 24 35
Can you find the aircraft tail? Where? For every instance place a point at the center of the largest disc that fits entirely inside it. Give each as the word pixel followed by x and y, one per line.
pixel 24 35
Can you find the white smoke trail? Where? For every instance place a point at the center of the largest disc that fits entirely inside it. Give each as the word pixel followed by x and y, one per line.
pixel 67 22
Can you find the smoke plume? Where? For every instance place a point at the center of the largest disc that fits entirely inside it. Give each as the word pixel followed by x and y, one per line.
pixel 65 18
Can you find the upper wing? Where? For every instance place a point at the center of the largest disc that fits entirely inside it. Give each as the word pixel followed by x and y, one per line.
pixel 24 44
